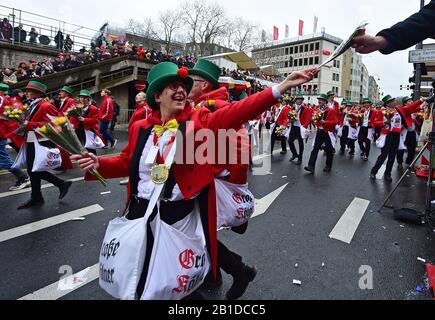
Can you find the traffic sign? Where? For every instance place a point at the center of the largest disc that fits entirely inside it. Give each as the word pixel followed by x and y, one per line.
pixel 422 55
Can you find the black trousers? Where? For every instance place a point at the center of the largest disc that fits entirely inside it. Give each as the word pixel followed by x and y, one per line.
pixel 363 141
pixel 295 134
pixel 388 151
pixel 36 177
pixel 82 137
pixel 322 138
pixel 411 145
pixel 273 138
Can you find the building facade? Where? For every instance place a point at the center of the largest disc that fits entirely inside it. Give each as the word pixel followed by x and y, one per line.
pixel 295 54
pixel 205 49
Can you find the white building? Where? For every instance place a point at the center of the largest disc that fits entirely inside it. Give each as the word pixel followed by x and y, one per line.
pixel 299 53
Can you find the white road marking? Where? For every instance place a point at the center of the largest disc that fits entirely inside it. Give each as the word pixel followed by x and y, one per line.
pixel 381 172
pixel 46 223
pixel 44 186
pixel 69 284
pixel 346 227
pixel 264 203
pixel 264 155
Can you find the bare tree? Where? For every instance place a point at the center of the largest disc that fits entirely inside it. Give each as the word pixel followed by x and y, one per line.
pixel 244 34
pixel 170 22
pixel 142 29
pixel 205 22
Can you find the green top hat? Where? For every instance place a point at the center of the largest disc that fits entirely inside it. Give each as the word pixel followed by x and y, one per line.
pixel 387 99
pixel 405 99
pixel 299 96
pixel 67 89
pixel 330 93
pixel 37 86
pixel 85 93
pixel 4 87
pixel 367 100
pixel 163 74
pixel 323 96
pixel 344 102
pixel 207 70
pixel 349 104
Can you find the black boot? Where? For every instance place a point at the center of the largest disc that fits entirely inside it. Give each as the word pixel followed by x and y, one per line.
pixel 387 177
pixel 299 162
pixel 309 168
pixel 241 282
pixel 33 202
pixel 210 283
pixel 64 189
pixel 294 157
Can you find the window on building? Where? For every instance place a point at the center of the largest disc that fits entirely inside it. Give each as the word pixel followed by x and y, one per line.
pixel 338 78
pixel 317 45
pixel 311 61
pixel 286 64
pixel 305 61
pixel 312 47
pixel 291 62
pixel 306 48
pixel 301 48
pixel 296 49
pixel 301 62
pixel 338 64
pixel 291 50
pixel 286 51
pixel 316 60
pixel 295 63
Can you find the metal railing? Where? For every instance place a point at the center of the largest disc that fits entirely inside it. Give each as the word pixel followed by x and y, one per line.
pixel 124 116
pixel 47 28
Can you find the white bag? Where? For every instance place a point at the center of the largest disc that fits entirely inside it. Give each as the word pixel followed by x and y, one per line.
pixel 93 141
pixel 340 131
pixel 370 134
pixel 333 138
pixel 21 160
pixel 235 204
pixel 287 133
pixel 305 133
pixel 46 158
pixel 122 257
pixel 179 262
pixel 403 135
pixel 380 143
pixel 353 133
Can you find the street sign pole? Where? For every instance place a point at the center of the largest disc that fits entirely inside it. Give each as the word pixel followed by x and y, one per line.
pixel 417 91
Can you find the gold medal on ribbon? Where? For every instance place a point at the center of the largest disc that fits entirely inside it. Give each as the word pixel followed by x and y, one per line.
pixel 159 173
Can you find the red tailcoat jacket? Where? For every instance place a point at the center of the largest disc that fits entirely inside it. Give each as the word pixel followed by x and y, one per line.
pixel 305 116
pixel 405 113
pixel 106 109
pixel 191 178
pixel 65 105
pixel 141 112
pixel 5 125
pixel 330 121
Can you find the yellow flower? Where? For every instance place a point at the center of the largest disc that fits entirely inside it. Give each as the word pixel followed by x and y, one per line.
pixel 211 103
pixel 19 112
pixel 59 121
pixel 24 108
pixel 8 108
pixel 43 130
pixel 17 116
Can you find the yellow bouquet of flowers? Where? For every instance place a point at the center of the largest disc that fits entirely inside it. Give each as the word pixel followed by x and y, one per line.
pixel 61 132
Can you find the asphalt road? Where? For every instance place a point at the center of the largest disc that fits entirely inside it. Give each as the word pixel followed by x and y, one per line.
pixel 293 231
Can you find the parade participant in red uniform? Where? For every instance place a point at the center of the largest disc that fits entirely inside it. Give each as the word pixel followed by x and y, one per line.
pixel 411 138
pixel 332 103
pixel 66 102
pixel 281 121
pixel 366 131
pixel 325 135
pixel 167 95
pixel 88 120
pixel 106 115
pixel 6 128
pixel 395 120
pixel 142 110
pixel 206 93
pixel 40 111
pixel 299 127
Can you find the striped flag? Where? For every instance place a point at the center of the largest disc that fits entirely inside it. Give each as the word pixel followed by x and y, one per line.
pixel 316 20
pixel 275 33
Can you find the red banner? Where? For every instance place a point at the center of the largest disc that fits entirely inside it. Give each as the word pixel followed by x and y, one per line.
pixel 301 27
pixel 275 33
pixel 327 53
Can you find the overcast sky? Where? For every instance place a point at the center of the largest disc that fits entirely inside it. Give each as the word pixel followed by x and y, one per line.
pixel 338 17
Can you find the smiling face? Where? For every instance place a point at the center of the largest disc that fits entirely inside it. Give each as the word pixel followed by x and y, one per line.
pixel 200 86
pixel 172 99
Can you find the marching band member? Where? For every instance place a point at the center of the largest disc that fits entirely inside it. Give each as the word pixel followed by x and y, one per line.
pixel 299 127
pixel 167 96
pixel 411 138
pixel 366 134
pixel 325 121
pixel 395 120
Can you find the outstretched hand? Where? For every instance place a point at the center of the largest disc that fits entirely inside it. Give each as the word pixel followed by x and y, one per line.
pixel 297 78
pixel 365 43
pixel 86 161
